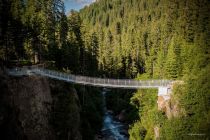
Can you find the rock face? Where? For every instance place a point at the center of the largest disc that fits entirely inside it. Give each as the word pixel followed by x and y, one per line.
pixel 31 98
pixel 161 103
pixel 170 109
pixel 27 109
pixel 121 116
pixel 165 103
pixel 157 132
pixel 164 95
pixel 169 105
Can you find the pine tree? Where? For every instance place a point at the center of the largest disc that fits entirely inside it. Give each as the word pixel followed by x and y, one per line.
pixel 171 62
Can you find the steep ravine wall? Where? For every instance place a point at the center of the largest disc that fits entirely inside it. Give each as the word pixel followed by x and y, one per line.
pixel 29 106
pixel 170 106
pixel 32 99
pixel 169 103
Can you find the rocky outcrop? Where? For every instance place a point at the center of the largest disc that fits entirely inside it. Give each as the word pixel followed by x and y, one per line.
pixel 121 117
pixel 28 108
pixel 157 132
pixel 167 104
pixel 170 109
pixel 31 99
pixel 162 103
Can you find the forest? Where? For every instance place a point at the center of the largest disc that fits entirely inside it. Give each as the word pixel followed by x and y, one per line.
pixel 138 39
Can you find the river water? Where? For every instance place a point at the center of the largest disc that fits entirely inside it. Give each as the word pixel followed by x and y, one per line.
pixel 112 129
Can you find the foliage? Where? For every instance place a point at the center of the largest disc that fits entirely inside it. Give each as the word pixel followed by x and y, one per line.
pixel 118 100
pixel 157 39
pixel 65 117
pixel 91 111
pixel 75 113
pixel 150 117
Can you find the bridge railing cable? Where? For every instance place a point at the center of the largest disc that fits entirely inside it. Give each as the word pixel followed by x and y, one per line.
pixel 93 80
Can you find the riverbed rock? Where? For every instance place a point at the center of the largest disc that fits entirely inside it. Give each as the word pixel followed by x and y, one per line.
pixel 124 132
pixel 121 117
pixel 110 112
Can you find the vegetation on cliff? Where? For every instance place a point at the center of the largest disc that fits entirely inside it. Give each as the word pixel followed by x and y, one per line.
pixel 76 111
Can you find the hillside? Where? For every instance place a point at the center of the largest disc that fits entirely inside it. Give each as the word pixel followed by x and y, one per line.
pixel 157 39
pixel 153 37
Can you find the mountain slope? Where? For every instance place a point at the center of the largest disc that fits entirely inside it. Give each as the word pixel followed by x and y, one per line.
pixel 157 39
pixel 139 36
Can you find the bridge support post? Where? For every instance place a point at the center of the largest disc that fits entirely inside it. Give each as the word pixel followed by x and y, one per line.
pixel 163 96
pixel 164 91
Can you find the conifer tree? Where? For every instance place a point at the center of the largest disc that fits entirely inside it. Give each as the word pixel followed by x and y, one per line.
pixel 172 67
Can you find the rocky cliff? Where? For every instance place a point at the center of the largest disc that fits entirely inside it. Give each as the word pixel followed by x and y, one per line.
pixel 170 103
pixel 170 106
pixel 30 108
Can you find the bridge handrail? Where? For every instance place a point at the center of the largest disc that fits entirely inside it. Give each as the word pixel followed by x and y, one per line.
pixel 94 80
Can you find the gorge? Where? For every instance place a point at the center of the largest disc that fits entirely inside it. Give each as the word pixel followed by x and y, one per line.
pixel 141 40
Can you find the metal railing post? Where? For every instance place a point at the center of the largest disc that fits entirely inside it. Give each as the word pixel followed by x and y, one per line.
pixel 91 80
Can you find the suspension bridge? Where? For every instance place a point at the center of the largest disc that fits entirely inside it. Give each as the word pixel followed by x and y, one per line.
pixel 163 86
pixel 91 81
